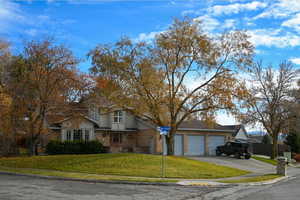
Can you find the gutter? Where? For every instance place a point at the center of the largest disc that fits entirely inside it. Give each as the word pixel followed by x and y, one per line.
pixel 205 130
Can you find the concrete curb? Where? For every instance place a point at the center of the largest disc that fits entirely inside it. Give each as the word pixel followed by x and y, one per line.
pixel 269 181
pixel 88 180
pixel 189 183
pixel 216 183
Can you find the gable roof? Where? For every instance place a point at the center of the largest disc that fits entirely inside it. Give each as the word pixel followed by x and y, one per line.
pixel 198 125
pixel 57 124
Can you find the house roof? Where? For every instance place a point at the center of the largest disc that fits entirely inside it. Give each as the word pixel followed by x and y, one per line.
pixel 199 125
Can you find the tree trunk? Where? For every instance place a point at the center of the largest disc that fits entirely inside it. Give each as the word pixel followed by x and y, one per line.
pixel 274 147
pixel 32 146
pixel 170 143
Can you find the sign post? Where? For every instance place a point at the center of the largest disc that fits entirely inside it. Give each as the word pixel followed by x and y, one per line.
pixel 163 130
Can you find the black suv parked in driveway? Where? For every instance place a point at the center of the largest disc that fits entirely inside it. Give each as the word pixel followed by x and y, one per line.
pixel 237 149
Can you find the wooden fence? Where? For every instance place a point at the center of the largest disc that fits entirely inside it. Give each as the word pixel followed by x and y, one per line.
pixel 266 149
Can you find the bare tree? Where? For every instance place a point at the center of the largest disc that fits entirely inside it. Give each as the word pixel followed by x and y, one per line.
pixel 268 99
pixel 154 80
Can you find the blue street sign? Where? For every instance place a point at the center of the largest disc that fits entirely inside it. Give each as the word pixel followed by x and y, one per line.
pixel 164 130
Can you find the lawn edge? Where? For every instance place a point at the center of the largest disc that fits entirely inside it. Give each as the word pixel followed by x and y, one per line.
pixel 123 181
pixel 265 160
pixel 264 182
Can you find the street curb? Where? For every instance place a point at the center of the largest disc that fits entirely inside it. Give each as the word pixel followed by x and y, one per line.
pixel 88 180
pixel 269 181
pixel 179 183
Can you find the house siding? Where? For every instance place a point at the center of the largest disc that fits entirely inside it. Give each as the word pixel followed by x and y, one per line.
pixel 241 135
pixel 104 120
pixel 130 121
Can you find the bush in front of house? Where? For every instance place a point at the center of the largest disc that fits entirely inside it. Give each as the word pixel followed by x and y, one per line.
pixel 74 147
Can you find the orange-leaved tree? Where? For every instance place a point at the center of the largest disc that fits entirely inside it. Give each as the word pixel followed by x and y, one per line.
pixel 41 80
pixel 183 71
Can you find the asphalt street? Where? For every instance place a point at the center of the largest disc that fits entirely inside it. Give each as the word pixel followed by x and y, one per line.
pixel 287 189
pixel 29 188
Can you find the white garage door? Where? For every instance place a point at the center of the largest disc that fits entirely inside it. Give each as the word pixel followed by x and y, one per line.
pixel 195 145
pixel 213 142
pixel 178 149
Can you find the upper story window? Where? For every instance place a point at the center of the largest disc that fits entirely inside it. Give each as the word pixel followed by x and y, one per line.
pixel 118 116
pixel 94 113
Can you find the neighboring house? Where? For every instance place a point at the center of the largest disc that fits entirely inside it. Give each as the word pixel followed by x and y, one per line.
pixel 255 138
pixel 121 131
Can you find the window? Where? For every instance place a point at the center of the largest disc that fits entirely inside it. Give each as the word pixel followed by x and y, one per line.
pixel 94 113
pixel 116 138
pixel 77 134
pixel 86 135
pixel 69 135
pixel 118 116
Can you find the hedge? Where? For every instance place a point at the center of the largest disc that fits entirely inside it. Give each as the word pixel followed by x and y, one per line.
pixel 74 147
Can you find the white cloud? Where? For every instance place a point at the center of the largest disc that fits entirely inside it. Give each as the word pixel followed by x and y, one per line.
pixel 293 22
pixel 146 37
pixel 273 38
pixel 280 9
pixel 208 23
pixel 224 118
pixel 9 11
pixel 236 8
pixel 229 23
pixel 295 60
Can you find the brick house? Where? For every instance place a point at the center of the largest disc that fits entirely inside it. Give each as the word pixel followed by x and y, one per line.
pixel 118 130
pixel 121 131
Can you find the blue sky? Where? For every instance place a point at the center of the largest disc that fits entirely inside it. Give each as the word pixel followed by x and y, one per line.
pixel 274 25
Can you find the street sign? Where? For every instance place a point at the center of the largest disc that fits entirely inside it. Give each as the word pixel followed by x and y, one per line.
pixel 164 130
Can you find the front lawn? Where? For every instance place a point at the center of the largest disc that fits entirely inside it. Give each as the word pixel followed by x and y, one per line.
pixel 266 160
pixel 253 179
pixel 139 165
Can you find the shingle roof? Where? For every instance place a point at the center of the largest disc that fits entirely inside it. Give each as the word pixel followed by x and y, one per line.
pixel 201 125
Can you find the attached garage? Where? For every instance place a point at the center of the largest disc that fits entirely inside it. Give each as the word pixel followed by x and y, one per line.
pixel 178 145
pixel 196 138
pixel 213 142
pixel 196 145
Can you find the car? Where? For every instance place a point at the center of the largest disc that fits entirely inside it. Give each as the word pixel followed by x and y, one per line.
pixel 236 148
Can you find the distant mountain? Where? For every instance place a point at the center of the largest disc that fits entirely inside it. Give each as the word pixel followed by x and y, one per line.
pixel 256 133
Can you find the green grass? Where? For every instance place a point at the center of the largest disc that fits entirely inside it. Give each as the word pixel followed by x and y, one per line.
pixel 137 165
pixel 253 179
pixel 266 160
pixel 85 176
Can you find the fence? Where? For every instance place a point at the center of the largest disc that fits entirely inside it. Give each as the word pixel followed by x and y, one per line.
pixel 266 149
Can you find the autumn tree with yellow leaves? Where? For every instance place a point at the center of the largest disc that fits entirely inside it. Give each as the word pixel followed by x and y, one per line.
pixel 41 81
pixel 8 136
pixel 184 71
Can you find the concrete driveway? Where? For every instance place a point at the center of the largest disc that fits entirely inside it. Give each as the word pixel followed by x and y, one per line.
pixel 255 166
